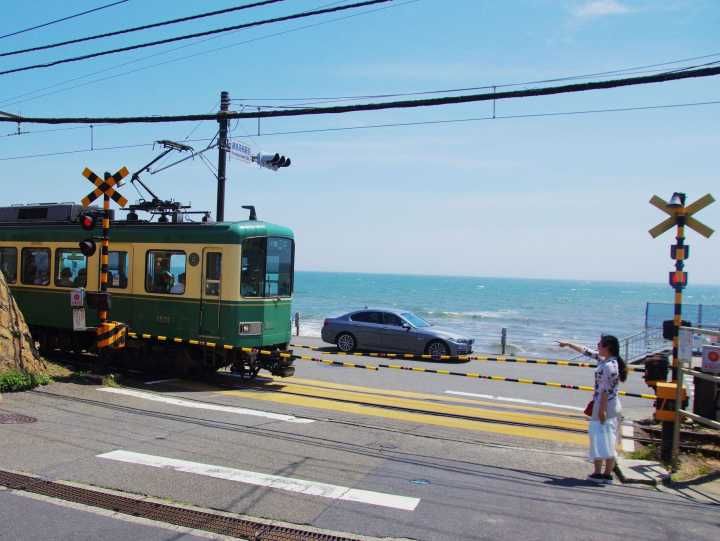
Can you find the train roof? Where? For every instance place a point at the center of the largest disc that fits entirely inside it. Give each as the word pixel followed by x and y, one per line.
pixel 60 226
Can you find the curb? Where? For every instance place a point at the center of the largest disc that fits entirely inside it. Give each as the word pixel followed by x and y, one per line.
pixel 640 472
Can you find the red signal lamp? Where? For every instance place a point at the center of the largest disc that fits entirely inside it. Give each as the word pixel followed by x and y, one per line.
pixel 678 279
pixel 87 222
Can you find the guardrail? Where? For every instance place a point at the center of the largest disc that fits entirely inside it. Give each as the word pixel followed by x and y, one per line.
pixel 686 333
pixel 638 345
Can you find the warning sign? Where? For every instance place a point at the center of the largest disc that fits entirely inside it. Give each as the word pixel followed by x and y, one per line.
pixel 711 359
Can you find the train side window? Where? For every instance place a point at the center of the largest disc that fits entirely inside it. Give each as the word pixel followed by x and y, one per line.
pixel 8 264
pixel 70 268
pixel 118 269
pixel 165 272
pixel 213 265
pixel 35 266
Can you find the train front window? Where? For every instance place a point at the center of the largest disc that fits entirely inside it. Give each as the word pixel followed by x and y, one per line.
pixel 8 264
pixel 267 267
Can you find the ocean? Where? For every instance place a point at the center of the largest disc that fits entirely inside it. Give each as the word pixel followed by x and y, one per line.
pixel 535 312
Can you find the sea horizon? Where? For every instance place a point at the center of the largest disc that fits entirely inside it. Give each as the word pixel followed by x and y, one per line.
pixel 535 312
pixel 705 284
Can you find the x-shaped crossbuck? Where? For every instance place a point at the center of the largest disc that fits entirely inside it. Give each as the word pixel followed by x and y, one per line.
pixel 105 187
pixel 688 211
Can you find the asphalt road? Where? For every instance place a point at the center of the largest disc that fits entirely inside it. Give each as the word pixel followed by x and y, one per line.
pixel 28 519
pixel 385 453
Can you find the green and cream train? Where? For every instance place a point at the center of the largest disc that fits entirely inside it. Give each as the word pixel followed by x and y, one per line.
pixel 180 285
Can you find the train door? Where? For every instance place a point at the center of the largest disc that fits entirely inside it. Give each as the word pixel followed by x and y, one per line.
pixel 211 293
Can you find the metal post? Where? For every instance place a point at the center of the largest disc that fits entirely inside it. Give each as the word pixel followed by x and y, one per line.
pixel 671 430
pixel 297 323
pixel 222 155
pixel 680 253
pixel 104 315
pixel 674 458
pixel 503 340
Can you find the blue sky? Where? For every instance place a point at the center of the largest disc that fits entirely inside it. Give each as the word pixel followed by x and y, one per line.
pixel 546 197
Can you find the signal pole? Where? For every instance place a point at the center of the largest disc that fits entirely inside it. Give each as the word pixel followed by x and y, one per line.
pixel 680 217
pixel 222 155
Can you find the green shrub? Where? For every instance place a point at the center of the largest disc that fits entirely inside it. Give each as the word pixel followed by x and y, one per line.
pixel 13 381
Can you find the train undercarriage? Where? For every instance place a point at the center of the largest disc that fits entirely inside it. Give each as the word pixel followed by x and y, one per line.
pixel 167 357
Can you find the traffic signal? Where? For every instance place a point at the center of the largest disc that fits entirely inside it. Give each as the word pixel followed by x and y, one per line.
pixel 272 161
pixel 87 246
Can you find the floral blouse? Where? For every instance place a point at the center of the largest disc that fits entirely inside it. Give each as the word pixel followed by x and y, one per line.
pixel 607 379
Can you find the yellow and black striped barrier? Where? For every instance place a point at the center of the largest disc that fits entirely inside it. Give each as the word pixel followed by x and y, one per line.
pixel 376 367
pixel 111 334
pixel 465 358
pixel 464 374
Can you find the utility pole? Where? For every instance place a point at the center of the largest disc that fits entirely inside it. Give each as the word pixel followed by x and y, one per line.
pixel 222 155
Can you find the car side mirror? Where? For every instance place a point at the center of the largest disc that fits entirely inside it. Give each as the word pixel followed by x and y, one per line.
pixel 406 326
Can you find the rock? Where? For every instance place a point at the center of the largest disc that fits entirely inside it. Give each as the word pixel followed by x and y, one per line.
pixel 17 347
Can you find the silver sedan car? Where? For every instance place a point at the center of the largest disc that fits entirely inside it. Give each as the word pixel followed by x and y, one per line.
pixel 392 330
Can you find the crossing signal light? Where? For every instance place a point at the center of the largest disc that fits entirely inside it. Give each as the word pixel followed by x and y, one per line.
pixel 87 246
pixel 272 161
pixel 87 222
pixel 678 279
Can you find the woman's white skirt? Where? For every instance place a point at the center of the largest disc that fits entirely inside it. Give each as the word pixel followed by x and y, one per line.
pixel 603 437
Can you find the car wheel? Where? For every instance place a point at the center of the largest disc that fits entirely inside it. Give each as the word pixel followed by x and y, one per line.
pixel 345 342
pixel 436 348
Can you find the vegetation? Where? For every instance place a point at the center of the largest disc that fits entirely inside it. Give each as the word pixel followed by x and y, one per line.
pixel 13 380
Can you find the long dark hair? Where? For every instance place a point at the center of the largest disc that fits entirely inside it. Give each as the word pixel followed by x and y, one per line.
pixel 613 346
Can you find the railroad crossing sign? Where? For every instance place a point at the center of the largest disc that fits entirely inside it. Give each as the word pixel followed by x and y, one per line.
pixel 105 187
pixel 676 211
pixel 109 334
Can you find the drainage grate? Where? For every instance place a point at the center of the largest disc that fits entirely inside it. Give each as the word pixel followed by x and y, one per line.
pixel 15 419
pixel 188 518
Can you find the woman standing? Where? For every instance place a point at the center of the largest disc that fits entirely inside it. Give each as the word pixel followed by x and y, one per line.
pixel 610 371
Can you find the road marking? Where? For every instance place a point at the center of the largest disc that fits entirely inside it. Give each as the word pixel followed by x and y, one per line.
pixel 160 381
pixel 367 405
pixel 422 406
pixel 205 405
pixel 516 400
pixel 310 488
pixel 405 394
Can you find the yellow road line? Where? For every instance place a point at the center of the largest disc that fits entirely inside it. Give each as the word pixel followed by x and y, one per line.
pixel 411 417
pixel 429 407
pixel 421 396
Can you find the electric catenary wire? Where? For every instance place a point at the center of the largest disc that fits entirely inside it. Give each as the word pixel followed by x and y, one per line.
pixel 143 27
pixel 405 104
pixel 63 19
pixel 394 124
pixel 16 99
pixel 198 34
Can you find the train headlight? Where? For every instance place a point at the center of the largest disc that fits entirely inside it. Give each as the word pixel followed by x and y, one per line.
pixel 250 328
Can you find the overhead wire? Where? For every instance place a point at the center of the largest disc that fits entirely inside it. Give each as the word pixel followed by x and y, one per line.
pixel 628 71
pixel 273 20
pixel 403 104
pixel 10 101
pixel 401 124
pixel 63 19
pixel 139 28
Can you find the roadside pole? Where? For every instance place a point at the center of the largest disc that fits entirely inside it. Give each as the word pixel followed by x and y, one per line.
pixel 222 155
pixel 680 216
pixel 109 334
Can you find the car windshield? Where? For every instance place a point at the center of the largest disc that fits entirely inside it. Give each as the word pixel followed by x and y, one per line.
pixel 415 321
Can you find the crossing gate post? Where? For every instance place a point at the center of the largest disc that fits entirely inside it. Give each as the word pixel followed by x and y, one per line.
pixel 680 216
pixel 109 334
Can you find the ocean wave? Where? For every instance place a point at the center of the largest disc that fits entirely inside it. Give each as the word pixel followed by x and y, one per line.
pixel 473 314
